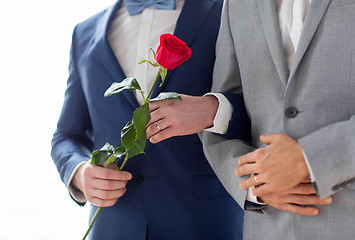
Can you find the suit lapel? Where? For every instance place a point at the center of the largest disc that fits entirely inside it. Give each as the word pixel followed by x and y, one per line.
pixel 102 49
pixel 268 14
pixel 192 16
pixel 314 16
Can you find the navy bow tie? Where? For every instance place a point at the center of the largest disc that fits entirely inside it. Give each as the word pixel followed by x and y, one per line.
pixel 137 6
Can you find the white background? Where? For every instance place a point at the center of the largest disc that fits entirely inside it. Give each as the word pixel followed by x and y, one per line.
pixel 35 39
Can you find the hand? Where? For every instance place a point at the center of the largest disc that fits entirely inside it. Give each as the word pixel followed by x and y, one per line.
pixel 296 200
pixel 178 118
pixel 278 166
pixel 102 186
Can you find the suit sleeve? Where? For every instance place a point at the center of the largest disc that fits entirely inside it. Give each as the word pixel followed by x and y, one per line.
pixel 331 155
pixel 72 140
pixel 221 153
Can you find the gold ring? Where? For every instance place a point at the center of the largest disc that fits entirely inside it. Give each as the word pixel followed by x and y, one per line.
pixel 157 124
pixel 255 179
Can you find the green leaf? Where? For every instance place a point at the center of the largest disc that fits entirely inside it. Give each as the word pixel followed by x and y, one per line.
pixel 141 117
pixel 119 151
pixel 166 95
pixel 127 84
pixel 163 72
pixel 133 145
pixel 99 157
pixel 108 148
pixel 133 135
pixel 111 159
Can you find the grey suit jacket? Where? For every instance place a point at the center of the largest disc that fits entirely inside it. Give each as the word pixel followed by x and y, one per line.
pixel 313 103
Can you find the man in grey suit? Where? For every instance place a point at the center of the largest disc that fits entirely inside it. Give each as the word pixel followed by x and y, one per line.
pixel 302 110
pixel 294 62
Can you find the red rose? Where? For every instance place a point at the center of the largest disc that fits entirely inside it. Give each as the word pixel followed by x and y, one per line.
pixel 172 51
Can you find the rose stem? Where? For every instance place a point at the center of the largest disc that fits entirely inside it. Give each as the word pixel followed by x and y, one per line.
pixel 92 221
pixel 155 81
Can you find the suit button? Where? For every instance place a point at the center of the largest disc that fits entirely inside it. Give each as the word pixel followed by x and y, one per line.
pixel 336 188
pixel 139 179
pixel 291 112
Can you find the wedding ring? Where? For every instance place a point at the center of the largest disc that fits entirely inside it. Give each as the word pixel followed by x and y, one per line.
pixel 157 124
pixel 255 179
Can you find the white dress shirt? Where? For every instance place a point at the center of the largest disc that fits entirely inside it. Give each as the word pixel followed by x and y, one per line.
pixel 131 36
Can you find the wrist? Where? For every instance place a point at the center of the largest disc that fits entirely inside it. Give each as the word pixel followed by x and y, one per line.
pixel 78 179
pixel 211 104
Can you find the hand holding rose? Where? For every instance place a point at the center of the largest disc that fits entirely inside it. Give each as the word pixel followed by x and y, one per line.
pixel 178 118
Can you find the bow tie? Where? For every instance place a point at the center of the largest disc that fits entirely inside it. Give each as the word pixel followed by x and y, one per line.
pixel 137 6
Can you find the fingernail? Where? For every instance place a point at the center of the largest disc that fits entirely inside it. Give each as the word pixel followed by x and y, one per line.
pixel 315 212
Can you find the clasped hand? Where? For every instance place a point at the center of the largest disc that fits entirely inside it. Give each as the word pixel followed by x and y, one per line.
pixel 280 175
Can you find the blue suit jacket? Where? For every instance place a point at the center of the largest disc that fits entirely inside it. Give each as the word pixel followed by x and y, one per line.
pixel 174 192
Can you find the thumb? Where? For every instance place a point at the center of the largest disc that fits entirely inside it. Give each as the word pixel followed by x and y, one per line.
pixel 268 139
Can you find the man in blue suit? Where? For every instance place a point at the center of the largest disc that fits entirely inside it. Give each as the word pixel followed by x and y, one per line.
pixel 170 192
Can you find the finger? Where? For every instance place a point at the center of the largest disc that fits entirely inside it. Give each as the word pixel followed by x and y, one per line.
pixel 264 189
pixel 308 200
pixel 306 180
pixel 268 139
pixel 156 127
pixel 110 174
pixel 101 202
pixel 108 195
pixel 162 135
pixel 247 158
pixel 250 182
pixel 300 210
pixel 151 130
pixel 303 188
pixel 156 115
pixel 110 166
pixel 245 169
pixel 154 105
pixel 108 185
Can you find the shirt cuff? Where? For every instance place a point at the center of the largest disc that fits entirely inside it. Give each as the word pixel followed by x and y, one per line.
pixel 252 198
pixel 223 115
pixel 74 192
pixel 311 174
